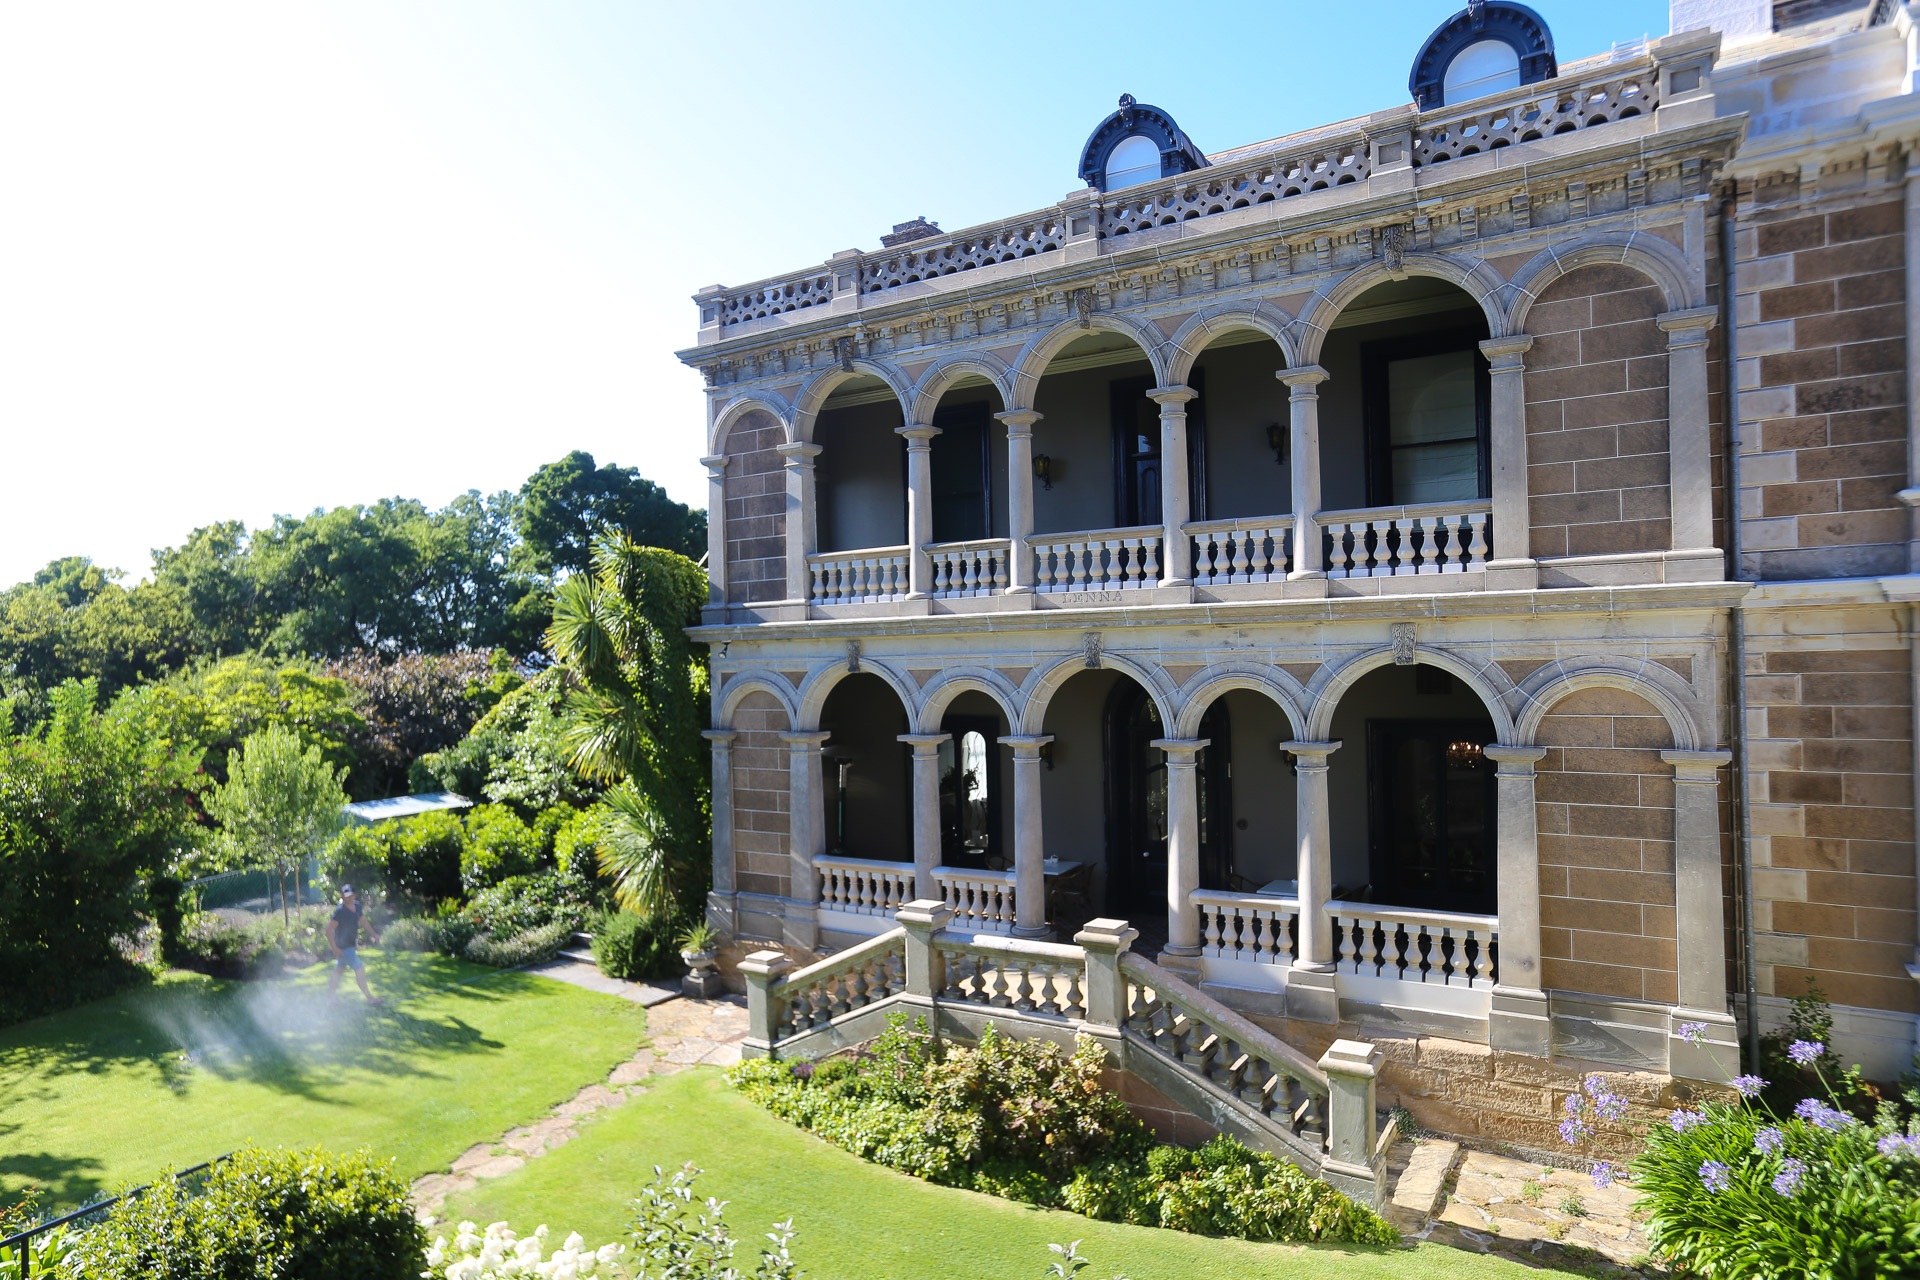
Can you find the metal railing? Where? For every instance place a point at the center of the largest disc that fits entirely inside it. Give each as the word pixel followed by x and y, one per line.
pixel 20 1243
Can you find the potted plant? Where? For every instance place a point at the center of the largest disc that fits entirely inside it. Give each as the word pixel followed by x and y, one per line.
pixel 700 948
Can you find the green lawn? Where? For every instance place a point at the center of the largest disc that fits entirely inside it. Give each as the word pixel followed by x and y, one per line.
pixel 859 1221
pixel 114 1092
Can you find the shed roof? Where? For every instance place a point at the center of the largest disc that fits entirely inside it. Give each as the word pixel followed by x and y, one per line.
pixel 406 806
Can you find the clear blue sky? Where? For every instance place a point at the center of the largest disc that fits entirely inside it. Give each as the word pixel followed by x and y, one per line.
pixel 258 258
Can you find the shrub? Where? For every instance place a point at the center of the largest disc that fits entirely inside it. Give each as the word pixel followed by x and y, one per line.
pixel 499 846
pixel 358 856
pixel 575 844
pixel 424 856
pixel 677 1235
pixel 164 902
pixel 258 947
pixel 264 1215
pixel 499 1253
pixel 510 951
pixel 631 947
pixel 519 921
pixel 413 933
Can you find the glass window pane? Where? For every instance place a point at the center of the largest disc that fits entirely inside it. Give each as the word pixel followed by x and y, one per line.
pixel 1485 66
pixel 1135 160
pixel 1431 398
pixel 1436 473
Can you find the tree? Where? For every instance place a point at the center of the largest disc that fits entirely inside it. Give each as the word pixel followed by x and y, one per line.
pixel 637 704
pixel 223 702
pixel 412 705
pixel 75 622
pixel 566 504
pixel 280 803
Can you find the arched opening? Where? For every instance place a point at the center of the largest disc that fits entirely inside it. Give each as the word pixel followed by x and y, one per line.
pixel 976 786
pixel 1134 160
pixel 1404 412
pixel 860 475
pixel 1240 414
pixel 868 784
pixel 1411 793
pixel 969 463
pixel 1483 67
pixel 1097 446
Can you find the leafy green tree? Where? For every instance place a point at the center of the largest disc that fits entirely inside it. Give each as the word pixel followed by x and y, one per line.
pixel 516 754
pixel 408 706
pixel 223 702
pixel 280 803
pixel 210 571
pixel 637 704
pixel 74 621
pixel 566 504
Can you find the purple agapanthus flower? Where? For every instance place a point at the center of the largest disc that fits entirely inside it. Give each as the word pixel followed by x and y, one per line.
pixel 1805 1052
pixel 1749 1086
pixel 1681 1121
pixel 1715 1176
pixel 1574 1131
pixel 1693 1032
pixel 1787 1181
pixel 1603 1175
pixel 1609 1106
pixel 1898 1145
pixel 1573 1104
pixel 1595 1085
pixel 802 1070
pixel 1769 1140
pixel 1818 1113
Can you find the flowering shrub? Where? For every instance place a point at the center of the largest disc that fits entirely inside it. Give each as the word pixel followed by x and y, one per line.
pixel 498 1253
pixel 676 1237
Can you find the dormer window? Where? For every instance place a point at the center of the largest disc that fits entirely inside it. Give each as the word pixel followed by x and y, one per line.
pixel 1483 67
pixel 1135 160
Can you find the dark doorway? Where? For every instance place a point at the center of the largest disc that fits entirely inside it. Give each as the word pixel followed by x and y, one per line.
pixel 1137 803
pixel 1136 454
pixel 1431 792
pixel 962 475
pixel 969 798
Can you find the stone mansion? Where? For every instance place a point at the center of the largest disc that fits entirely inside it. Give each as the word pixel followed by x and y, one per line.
pixel 1450 574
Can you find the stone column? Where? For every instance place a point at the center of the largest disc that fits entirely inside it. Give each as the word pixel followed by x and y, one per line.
pixel 1313 970
pixel 1183 842
pixel 1507 444
pixel 1689 448
pixel 1176 554
pixel 721 740
pixel 1029 838
pixel 926 810
pixel 1303 402
pixel 716 529
pixel 1911 494
pixel 806 833
pixel 1517 1021
pixel 1019 498
pixel 919 440
pixel 1700 919
pixel 1353 1070
pixel 803 537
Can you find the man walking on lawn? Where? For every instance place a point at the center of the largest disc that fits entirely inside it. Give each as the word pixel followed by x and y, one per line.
pixel 343 935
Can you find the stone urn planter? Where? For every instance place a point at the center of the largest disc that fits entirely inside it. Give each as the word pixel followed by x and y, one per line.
pixel 703 975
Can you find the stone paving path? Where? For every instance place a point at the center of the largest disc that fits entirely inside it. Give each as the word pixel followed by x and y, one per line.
pixel 585 973
pixel 1477 1200
pixel 680 1033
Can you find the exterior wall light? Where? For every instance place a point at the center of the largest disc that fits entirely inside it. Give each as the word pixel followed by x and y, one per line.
pixel 1043 470
pixel 1046 754
pixel 1277 441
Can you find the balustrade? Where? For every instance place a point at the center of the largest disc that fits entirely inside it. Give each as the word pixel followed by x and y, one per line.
pixel 982 901
pixel 969 568
pixel 1228 551
pixel 1395 541
pixel 1416 946
pixel 1106 560
pixel 858 577
pixel 1031 977
pixel 852 979
pixel 1253 927
pixel 864 887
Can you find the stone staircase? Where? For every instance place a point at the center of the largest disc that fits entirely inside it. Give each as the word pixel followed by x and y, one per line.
pixel 1157 1028
pixel 579 949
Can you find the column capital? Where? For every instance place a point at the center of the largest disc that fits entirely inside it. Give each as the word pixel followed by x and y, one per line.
pixel 1513 762
pixel 719 737
pixel 1172 395
pixel 716 465
pixel 1304 379
pixel 807 740
pixel 1504 353
pixel 1027 746
pixel 1689 327
pixel 917 434
pixel 924 744
pixel 1697 767
pixel 1019 419
pixel 1317 751
pixel 1184 748
pixel 798 453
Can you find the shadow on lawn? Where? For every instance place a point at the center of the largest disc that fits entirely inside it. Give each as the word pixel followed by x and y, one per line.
pixel 62 1180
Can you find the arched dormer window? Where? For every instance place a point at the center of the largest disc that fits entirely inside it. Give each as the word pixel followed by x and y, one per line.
pixel 1489 46
pixel 1136 144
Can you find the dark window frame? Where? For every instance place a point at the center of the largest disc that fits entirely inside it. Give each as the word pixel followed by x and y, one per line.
pixel 1385 808
pixel 1375 356
pixel 976 415
pixel 956 728
pixel 1123 399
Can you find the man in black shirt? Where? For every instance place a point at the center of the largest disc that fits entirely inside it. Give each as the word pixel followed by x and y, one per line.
pixel 343 935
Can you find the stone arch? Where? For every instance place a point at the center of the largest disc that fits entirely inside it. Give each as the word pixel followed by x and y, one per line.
pixel 812 699
pixel 954 681
pixel 734 410
pixel 1031 364
pixel 1474 276
pixel 944 372
pixel 1659 259
pixel 1046 681
pixel 1488 682
pixel 1184 348
pixel 807 405
pixel 1197 696
pixel 736 687
pixel 1658 685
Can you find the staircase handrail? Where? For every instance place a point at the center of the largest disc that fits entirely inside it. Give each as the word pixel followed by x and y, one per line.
pixel 1188 999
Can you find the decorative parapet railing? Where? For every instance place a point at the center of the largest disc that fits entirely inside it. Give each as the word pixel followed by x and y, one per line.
pixel 863 886
pixel 1230 551
pixel 1383 542
pixel 858 577
pixel 1443 947
pixel 1041 978
pixel 1598 93
pixel 1252 927
pixel 848 980
pixel 976 568
pixel 1103 560
pixel 981 901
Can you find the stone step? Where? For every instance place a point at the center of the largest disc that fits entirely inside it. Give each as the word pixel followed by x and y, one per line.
pixel 1414 1194
pixel 577 953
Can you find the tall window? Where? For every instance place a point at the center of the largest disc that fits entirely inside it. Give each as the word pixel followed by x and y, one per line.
pixel 1485 66
pixel 1426 411
pixel 1135 160
pixel 962 475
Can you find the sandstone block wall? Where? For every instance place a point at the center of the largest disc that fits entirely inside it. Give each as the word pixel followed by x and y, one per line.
pixel 756 511
pixel 760 796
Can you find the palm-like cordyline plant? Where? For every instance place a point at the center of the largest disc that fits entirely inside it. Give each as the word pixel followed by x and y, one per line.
pixel 637 700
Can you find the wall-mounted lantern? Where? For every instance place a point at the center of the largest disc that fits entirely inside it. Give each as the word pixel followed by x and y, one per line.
pixel 1043 470
pixel 1046 754
pixel 1277 441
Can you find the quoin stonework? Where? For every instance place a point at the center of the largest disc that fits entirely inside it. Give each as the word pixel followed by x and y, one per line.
pixel 1448 579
